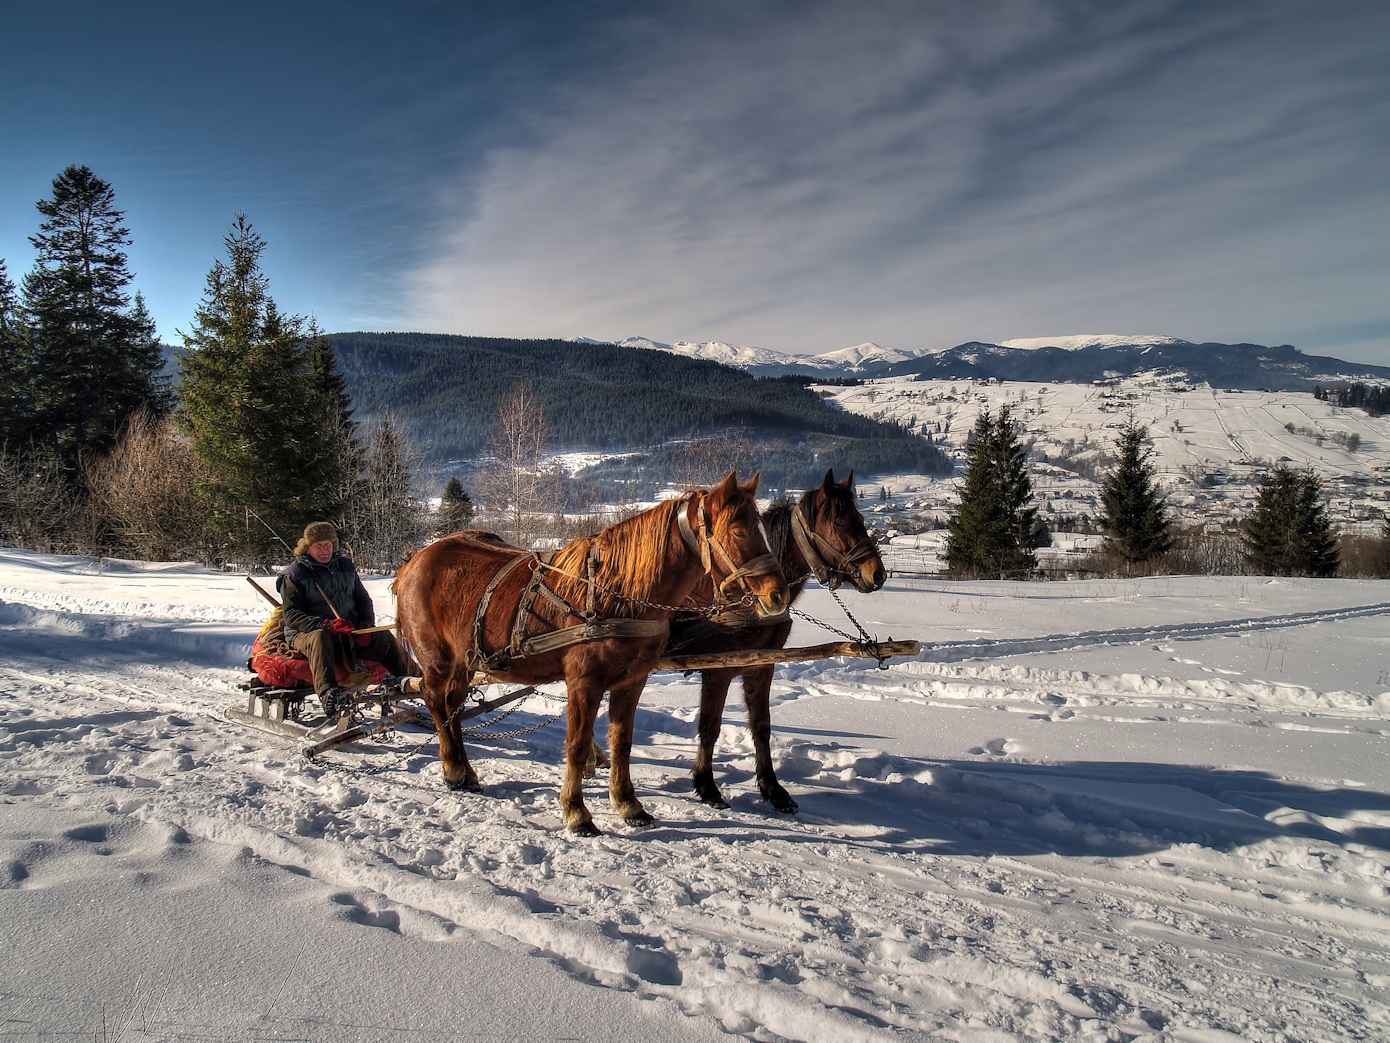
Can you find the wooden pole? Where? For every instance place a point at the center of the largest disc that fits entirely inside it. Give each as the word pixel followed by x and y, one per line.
pixel 263 592
pixel 766 656
pixel 272 599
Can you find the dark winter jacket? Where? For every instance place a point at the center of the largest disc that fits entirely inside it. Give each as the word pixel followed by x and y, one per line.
pixel 310 592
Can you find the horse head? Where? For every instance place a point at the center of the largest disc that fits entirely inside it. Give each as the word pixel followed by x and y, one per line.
pixel 832 537
pixel 735 547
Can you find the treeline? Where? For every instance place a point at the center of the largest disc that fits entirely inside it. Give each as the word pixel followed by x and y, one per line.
pixel 1374 399
pixel 787 465
pixel 99 455
pixel 996 528
pixel 596 395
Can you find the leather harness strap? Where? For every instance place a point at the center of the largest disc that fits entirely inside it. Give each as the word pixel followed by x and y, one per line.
pixel 815 549
pixel 708 547
pixel 520 645
pixel 703 543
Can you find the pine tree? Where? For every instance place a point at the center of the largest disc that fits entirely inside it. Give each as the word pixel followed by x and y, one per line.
pixel 262 405
pixel 455 508
pixel 95 359
pixel 994 531
pixel 1289 533
pixel 1133 512
pixel 14 365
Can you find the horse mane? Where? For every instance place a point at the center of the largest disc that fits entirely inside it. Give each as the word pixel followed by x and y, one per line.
pixel 632 556
pixel 777 520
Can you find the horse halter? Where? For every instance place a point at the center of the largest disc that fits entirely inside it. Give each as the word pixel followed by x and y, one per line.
pixel 816 549
pixel 707 545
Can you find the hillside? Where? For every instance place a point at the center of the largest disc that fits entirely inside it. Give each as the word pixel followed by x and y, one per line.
pixel 445 390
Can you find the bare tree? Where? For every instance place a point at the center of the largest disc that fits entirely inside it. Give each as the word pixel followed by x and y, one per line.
pixel 705 461
pixel 39 505
pixel 515 482
pixel 385 519
pixel 149 496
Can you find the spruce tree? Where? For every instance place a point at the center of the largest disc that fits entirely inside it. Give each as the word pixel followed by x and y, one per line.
pixel 262 406
pixel 995 529
pixel 95 360
pixel 1133 512
pixel 1289 533
pixel 455 508
pixel 14 365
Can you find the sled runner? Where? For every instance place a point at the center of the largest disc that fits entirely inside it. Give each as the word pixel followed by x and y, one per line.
pixel 281 711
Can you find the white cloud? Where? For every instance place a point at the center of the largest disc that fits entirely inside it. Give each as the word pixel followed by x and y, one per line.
pixel 918 176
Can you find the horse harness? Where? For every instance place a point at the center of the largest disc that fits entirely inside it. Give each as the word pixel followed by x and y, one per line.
pixel 704 544
pixel 816 549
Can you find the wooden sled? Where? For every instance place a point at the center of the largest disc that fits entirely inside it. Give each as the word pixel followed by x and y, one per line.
pixel 280 711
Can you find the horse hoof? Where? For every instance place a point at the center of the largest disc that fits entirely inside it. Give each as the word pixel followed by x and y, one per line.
pixel 639 820
pixel 784 803
pixel 466 785
pixel 715 800
pixel 586 829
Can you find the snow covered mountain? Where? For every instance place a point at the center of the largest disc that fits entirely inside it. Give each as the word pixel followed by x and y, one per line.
pixel 1075 358
pixel 1078 342
pixel 860 360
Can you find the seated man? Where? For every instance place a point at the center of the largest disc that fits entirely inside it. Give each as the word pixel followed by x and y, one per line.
pixel 324 602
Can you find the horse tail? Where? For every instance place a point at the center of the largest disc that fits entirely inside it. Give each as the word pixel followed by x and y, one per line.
pixel 413 667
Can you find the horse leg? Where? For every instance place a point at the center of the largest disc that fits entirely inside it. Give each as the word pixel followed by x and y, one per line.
pixel 443 699
pixel 622 713
pixel 597 759
pixel 584 696
pixel 714 690
pixel 757 693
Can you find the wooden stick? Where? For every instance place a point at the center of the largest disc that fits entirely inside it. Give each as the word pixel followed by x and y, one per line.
pixel 263 592
pixel 766 656
pixel 376 630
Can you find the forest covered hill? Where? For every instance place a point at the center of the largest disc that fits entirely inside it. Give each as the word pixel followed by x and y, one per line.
pixel 445 389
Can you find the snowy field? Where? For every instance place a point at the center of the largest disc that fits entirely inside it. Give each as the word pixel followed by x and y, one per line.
pixel 1198 428
pixel 1110 810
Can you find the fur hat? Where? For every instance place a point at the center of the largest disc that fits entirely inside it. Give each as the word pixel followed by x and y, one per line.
pixel 316 532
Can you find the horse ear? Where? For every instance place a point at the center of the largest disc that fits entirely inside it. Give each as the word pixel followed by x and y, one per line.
pixel 751 486
pixel 848 483
pixel 727 487
pixel 829 481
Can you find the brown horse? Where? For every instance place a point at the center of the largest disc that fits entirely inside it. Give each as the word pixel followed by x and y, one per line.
pixel 469 602
pixel 822 535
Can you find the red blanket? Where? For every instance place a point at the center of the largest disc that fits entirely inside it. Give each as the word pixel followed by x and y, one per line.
pixel 280 666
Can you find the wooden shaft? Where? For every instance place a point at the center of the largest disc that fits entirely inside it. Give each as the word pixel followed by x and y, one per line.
pixel 263 592
pixel 765 656
pixel 376 630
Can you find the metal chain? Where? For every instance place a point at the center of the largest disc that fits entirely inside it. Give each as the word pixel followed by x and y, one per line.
pixel 476 732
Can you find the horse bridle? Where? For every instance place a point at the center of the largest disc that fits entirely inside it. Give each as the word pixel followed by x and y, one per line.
pixel 710 550
pixel 816 549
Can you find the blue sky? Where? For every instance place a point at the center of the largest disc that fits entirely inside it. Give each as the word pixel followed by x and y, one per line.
pixel 800 176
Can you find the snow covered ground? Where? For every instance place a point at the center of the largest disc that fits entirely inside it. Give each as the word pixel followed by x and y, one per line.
pixel 1110 810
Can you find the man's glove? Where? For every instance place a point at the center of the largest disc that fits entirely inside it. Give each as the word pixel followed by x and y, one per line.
pixel 339 626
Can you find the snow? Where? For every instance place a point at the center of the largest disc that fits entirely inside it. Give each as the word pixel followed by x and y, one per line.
pixel 844 360
pixel 1080 341
pixel 1151 810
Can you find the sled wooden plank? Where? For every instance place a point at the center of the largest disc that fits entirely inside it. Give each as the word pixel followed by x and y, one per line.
pixel 360 731
pixel 265 724
pixel 768 656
